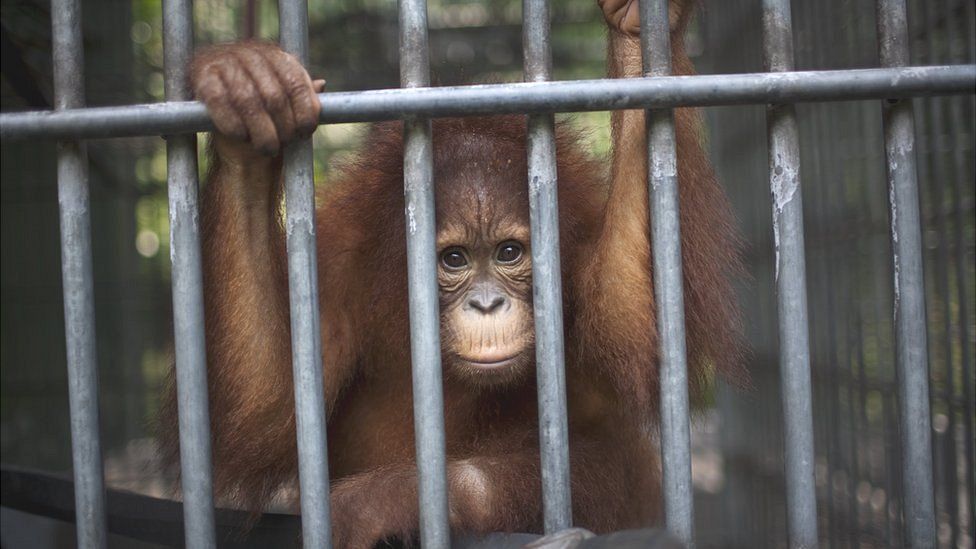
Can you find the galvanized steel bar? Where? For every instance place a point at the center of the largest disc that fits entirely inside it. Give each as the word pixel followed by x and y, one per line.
pixel 791 287
pixel 546 280
pixel 528 97
pixel 942 174
pixel 196 474
pixel 76 272
pixel 957 123
pixel 306 342
pixel 662 175
pixel 957 127
pixel 911 347
pixel 425 337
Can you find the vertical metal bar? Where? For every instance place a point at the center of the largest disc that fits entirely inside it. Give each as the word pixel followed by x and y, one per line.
pixel 425 340
pixel 970 32
pixel 865 468
pixel 546 280
pixel 896 493
pixel 668 281
pixel 76 271
pixel 306 342
pixel 909 292
pixel 940 174
pixel 191 360
pixel 962 172
pixel 791 288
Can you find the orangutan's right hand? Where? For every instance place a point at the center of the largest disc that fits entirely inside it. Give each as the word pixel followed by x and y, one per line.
pixel 256 93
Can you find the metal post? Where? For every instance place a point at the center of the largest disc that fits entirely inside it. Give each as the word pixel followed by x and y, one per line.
pixel 911 347
pixel 546 281
pixel 425 341
pixel 76 270
pixel 306 342
pixel 679 512
pixel 191 359
pixel 791 288
pixel 957 127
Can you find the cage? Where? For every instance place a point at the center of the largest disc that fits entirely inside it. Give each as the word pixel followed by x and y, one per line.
pixel 734 469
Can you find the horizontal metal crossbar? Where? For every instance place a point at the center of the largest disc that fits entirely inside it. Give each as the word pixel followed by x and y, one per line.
pixel 530 98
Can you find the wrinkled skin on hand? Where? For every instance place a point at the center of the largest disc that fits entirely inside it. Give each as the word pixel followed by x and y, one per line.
pixel 256 93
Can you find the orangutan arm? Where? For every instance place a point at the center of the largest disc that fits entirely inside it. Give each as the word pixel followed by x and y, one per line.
pixel 617 304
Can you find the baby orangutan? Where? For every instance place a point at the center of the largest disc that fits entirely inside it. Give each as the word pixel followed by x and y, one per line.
pixel 259 99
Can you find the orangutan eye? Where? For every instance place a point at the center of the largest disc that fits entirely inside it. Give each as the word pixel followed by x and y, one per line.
pixel 509 252
pixel 453 258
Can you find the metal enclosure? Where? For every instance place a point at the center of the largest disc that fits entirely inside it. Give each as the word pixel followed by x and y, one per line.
pixel 850 342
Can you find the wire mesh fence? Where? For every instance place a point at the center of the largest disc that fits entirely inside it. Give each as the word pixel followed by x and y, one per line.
pixel 859 488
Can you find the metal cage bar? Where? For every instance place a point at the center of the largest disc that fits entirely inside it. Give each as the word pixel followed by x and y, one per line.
pixel 791 287
pixel 527 98
pixel 196 474
pixel 76 269
pixel 662 177
pixel 306 342
pixel 546 280
pixel 425 337
pixel 911 346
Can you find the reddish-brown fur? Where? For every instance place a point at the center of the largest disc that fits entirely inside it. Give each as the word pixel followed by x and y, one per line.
pixel 491 432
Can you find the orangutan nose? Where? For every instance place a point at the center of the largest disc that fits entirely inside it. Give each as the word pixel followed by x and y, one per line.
pixel 486 300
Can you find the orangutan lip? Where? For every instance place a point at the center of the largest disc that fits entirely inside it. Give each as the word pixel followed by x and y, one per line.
pixel 490 363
